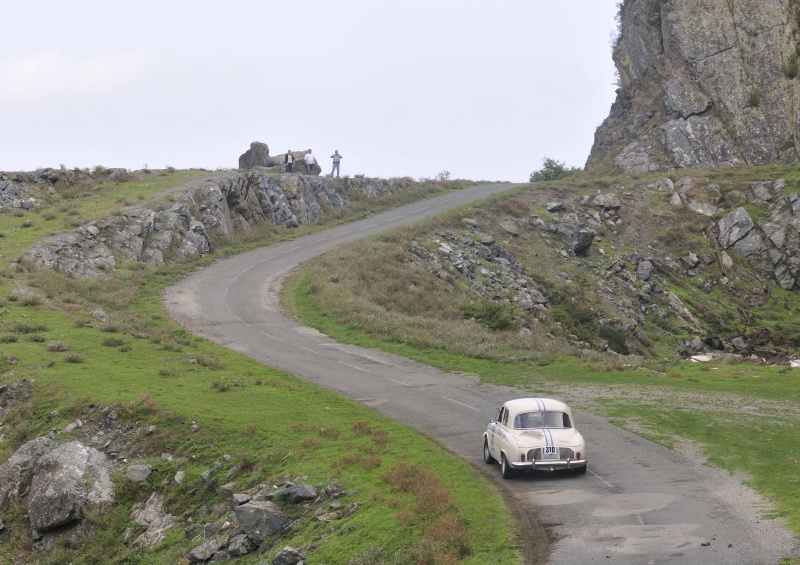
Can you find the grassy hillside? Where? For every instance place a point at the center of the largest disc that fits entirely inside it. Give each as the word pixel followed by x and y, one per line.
pixel 106 355
pixel 607 342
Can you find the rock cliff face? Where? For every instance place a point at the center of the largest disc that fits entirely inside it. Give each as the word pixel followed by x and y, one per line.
pixel 703 84
pixel 236 202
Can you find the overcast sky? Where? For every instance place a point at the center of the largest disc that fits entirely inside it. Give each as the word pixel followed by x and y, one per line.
pixel 483 90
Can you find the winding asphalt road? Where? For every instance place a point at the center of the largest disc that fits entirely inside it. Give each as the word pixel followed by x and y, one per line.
pixel 638 504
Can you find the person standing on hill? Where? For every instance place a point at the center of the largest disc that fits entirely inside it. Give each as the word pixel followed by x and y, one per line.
pixel 336 160
pixel 310 161
pixel 288 161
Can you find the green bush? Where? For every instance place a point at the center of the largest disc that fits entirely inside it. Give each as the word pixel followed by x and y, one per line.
pixel 497 316
pixel 552 170
pixel 615 338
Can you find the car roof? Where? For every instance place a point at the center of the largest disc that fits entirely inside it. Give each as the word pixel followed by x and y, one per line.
pixel 535 405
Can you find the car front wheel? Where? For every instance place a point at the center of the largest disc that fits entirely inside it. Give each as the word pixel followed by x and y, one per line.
pixel 506 469
pixel 487 455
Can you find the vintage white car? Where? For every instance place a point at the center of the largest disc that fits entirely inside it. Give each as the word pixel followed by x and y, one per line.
pixel 534 434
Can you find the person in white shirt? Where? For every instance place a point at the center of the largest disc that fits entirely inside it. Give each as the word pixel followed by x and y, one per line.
pixel 310 161
pixel 336 160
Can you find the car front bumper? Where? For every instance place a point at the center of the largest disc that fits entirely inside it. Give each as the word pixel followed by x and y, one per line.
pixel 548 465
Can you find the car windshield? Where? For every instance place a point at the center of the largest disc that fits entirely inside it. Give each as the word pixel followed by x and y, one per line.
pixel 530 420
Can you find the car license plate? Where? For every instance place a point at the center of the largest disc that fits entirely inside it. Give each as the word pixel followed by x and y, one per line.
pixel 550 452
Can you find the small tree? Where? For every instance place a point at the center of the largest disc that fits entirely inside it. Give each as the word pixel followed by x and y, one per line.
pixel 552 170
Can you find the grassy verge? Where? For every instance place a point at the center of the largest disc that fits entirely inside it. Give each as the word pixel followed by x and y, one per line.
pixel 274 426
pixel 762 446
pixel 416 502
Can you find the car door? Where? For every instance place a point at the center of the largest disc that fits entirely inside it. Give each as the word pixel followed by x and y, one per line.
pixel 501 439
pixel 495 434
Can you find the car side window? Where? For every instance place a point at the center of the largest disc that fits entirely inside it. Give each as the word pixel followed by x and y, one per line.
pixel 504 416
pixel 567 423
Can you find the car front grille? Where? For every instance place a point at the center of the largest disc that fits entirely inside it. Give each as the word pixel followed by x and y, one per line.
pixel 563 453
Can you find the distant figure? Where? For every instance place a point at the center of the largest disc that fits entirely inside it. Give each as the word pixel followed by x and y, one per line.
pixel 310 161
pixel 288 161
pixel 336 160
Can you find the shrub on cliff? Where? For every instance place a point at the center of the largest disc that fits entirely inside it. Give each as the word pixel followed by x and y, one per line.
pixel 552 170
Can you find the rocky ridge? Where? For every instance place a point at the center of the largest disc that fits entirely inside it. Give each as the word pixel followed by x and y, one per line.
pixel 237 201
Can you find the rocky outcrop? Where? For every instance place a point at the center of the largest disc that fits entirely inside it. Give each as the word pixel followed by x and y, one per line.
pixel 12 197
pixel 258 156
pixel 703 83
pixel 58 485
pixel 631 285
pixel 772 245
pixel 184 229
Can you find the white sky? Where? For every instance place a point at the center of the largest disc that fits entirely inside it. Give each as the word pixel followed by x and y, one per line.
pixel 483 90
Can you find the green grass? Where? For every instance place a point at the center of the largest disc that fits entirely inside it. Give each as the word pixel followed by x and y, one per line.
pixel 144 366
pixel 266 414
pixel 763 447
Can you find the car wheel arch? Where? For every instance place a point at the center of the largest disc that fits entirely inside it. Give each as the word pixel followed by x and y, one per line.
pixel 487 453
pixel 506 469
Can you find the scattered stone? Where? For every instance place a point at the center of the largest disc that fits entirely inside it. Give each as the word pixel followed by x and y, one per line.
pixel 701 358
pixel 138 473
pixel 289 556
pixel 204 551
pixel 644 270
pixel 240 545
pixel 209 473
pixel 297 493
pixel 152 515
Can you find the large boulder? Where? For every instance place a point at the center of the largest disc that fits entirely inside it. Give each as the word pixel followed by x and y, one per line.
pixel 257 156
pixel 261 519
pixel 66 481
